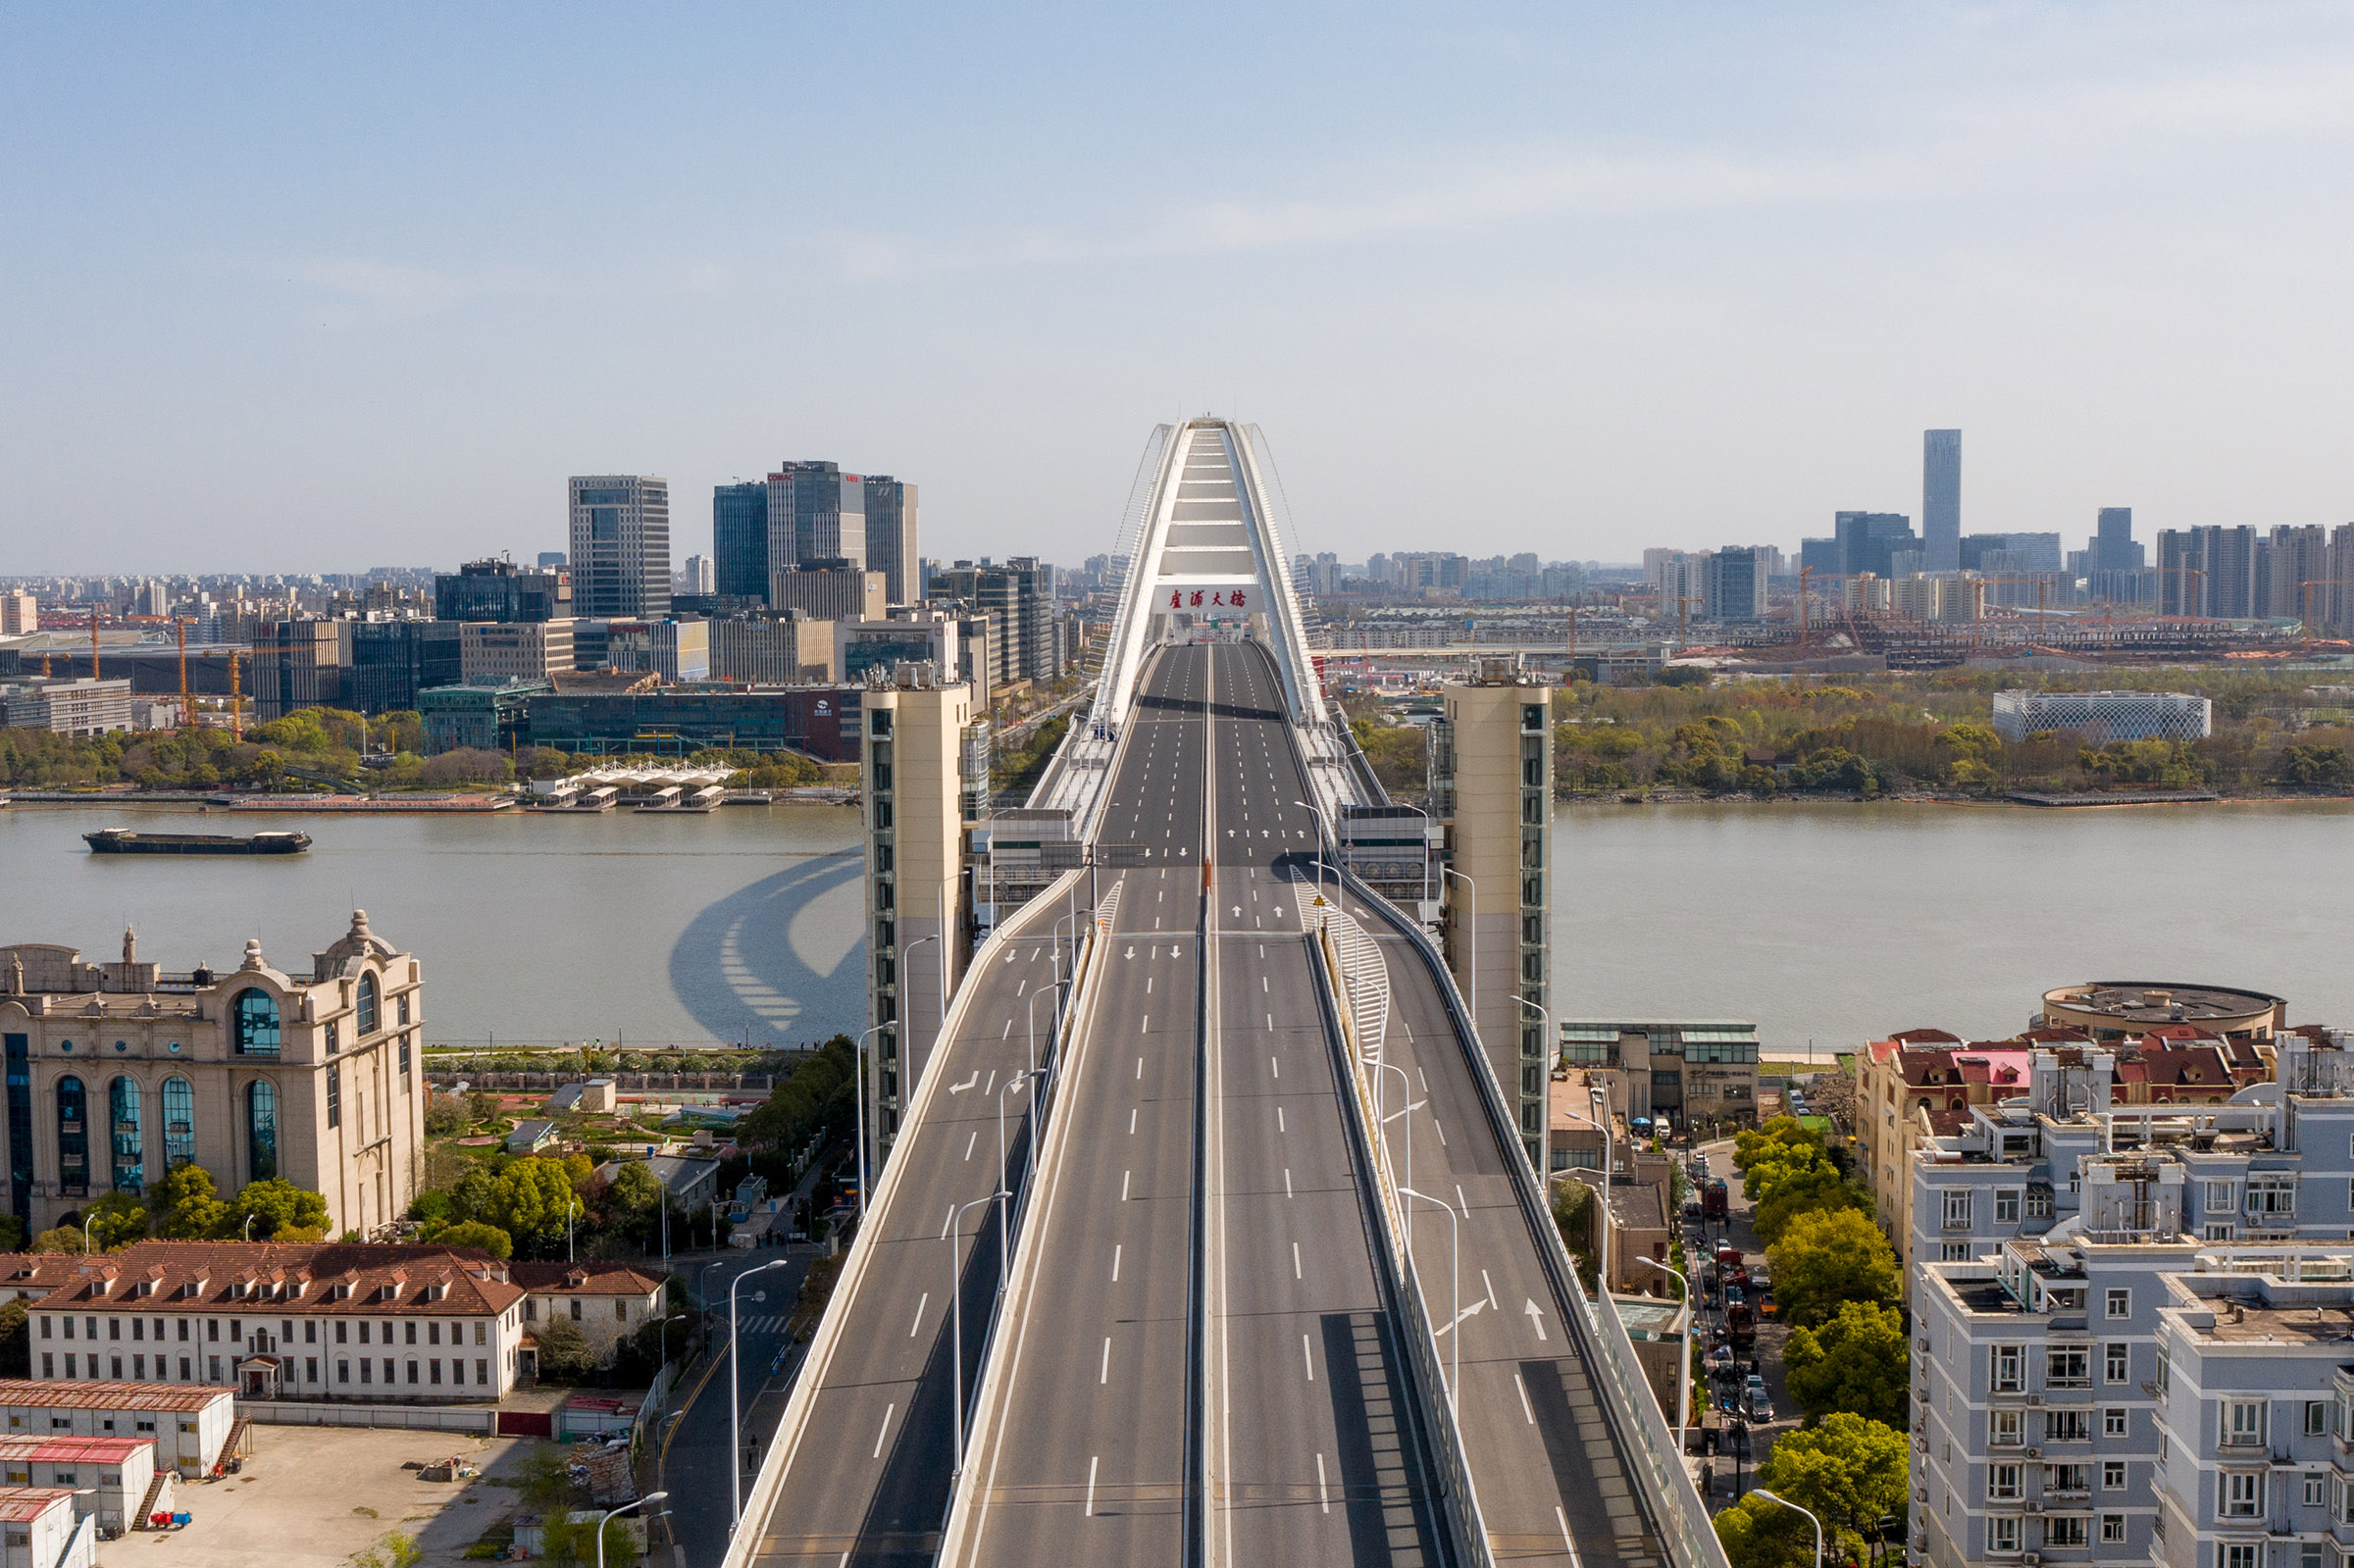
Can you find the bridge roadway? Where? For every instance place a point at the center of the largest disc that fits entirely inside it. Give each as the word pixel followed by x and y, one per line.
pixel 1314 1454
pixel 866 1480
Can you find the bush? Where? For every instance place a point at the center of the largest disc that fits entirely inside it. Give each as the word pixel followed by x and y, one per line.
pixel 467 765
pixel 564 1353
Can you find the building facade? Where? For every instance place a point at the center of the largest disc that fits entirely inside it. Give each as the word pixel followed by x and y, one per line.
pixel 815 512
pixel 620 556
pixel 925 637
pixel 119 1073
pixel 1491 781
pixel 492 651
pixel 1941 501
pixel 2105 716
pixel 788 649
pixel 69 706
pixel 1685 1073
pixel 807 719
pixel 835 592
pixel 914 829
pixel 891 540
pixel 739 540
pixel 482 716
pixel 497 589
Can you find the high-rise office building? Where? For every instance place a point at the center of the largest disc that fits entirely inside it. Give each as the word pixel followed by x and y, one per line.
pixel 1733 584
pixel 1941 501
pixel 2208 571
pixel 1818 558
pixel 1868 541
pixel 891 537
pixel 739 540
pixel 1017 598
pixel 2113 547
pixel 698 576
pixel 620 545
pixel 497 589
pixel 2297 576
pixel 551 560
pixel 815 512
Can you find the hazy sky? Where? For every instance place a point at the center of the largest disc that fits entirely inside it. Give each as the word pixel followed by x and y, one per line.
pixel 289 289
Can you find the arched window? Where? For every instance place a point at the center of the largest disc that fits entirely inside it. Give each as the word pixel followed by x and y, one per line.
pixel 72 1136
pixel 131 1152
pixel 261 1128
pixel 367 1005
pixel 254 1018
pixel 179 1124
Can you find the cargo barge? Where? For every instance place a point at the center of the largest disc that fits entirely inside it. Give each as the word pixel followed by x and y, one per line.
pixel 121 841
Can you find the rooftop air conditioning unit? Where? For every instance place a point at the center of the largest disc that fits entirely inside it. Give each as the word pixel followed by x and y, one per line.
pixel 2034 1399
pixel 2034 1453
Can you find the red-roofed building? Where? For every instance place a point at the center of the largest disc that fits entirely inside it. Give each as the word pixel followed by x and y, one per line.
pixel 109 1477
pixel 41 1530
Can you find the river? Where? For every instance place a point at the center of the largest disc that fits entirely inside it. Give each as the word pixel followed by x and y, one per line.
pixel 745 922
pixel 1830 924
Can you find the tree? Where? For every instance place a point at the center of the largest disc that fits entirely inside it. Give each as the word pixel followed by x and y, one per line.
pixel 59 1239
pixel 444 1115
pixel 1850 1471
pixel 635 1192
pixel 473 1233
pixel 274 1205
pixel 1857 1362
pixel 117 1220
pixel 1760 1533
pixel 476 1194
pixel 529 1200
pixel 1820 1190
pixel 564 1353
pixel 12 1232
pixel 1823 1260
pixel 399 1549
pixel 188 1208
pixel 16 1338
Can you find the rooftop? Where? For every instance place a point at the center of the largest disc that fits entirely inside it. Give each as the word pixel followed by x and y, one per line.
pixel 2235 1323
pixel 21 1505
pixel 28 1393
pixel 365 1281
pixel 73 1451
pixel 2158 1002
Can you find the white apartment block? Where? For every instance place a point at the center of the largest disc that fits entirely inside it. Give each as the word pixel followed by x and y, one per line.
pixel 2074 1373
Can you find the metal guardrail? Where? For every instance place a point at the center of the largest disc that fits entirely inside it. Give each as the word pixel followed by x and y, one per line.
pixel 792 1425
pixel 1458 1495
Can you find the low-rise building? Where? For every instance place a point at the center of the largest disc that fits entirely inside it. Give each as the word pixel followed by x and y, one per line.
pixel 608 1301
pixel 40 1529
pixel 65 706
pixel 108 1477
pixel 2108 1010
pixel 773 650
pixel 2101 717
pixel 490 652
pixel 491 715
pixel 189 1425
pixel 1695 1072
pixel 531 1137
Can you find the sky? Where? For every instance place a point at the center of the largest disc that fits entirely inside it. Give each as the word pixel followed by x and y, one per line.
pixel 321 288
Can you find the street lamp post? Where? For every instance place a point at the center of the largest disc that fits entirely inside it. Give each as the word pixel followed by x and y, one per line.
pixel 1033 1022
pixel 1381 1120
pixel 1760 1492
pixel 1455 1309
pixel 88 1218
pixel 734 1378
pixel 571 1208
pixel 1545 1133
pixel 956 1326
pixel 1324 831
pixel 1003 1250
pixel 647 1501
pixel 1471 924
pixel 1683 1382
pixel 858 1072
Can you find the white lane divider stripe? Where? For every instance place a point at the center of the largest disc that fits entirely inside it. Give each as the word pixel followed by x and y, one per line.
pixel 880 1435
pixel 1526 1408
pixel 1295 1260
pixel 1115 1263
pixel 921 1302
pixel 1097 1459
pixel 1308 1356
pixel 1103 1373
pixel 1323 1492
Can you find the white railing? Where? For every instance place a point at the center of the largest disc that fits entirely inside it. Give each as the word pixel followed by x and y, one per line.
pixel 322 1413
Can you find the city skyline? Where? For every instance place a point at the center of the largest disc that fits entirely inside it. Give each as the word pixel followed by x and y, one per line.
pixel 1642 280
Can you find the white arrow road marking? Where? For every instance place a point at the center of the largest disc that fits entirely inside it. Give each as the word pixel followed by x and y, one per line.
pixel 958 1088
pixel 1536 1318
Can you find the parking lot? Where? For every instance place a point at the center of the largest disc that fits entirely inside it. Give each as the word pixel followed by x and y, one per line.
pixel 316 1496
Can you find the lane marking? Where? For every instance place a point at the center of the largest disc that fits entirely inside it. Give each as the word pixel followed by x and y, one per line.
pixel 1140 1067
pixel 1565 1541
pixel 1490 1285
pixel 1124 1175
pixel 1008 1030
pixel 1526 1408
pixel 1103 1373
pixel 879 1436
pixel 1461 1201
pixel 1097 1459
pixel 1278 1066
pixel 1295 1260
pixel 970 1141
pixel 1323 1492
pixel 1536 1318
pixel 1131 1122
pixel 1439 1130
pixel 1270 1023
pixel 1145 1027
pixel 1309 1357
pixel 1279 1127
pixel 1115 1263
pixel 921 1302
pixel 1287 1185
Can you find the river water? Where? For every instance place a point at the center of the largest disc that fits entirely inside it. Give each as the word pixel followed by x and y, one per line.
pixel 1831 922
pixel 742 924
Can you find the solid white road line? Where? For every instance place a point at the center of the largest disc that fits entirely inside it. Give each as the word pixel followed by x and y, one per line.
pixel 1525 1408
pixel 885 1431
pixel 921 1302
pixel 1565 1541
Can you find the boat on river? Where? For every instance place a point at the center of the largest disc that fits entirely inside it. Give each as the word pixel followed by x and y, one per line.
pixel 122 842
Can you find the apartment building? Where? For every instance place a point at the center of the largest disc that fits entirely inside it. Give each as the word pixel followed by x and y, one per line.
pixel 514 650
pixel 1684 1072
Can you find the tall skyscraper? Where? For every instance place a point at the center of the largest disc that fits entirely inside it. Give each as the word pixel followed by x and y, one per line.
pixel 1868 540
pixel 1941 501
pixel 2208 571
pixel 698 577
pixel 890 537
pixel 2112 547
pixel 739 540
pixel 1733 584
pixel 815 512
pixel 620 546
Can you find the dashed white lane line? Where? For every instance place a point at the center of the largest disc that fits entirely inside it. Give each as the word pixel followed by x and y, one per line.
pixel 1279 1127
pixel 1461 1201
pixel 1095 1459
pixel 1307 1356
pixel 1103 1373
pixel 970 1141
pixel 921 1302
pixel 1490 1285
pixel 1140 1067
pixel 1439 1128
pixel 1286 1180
pixel 1278 1066
pixel 884 1431
pixel 1131 1122
pixel 1323 1492
pixel 1115 1263
pixel 1295 1260
pixel 1124 1175
pixel 1526 1408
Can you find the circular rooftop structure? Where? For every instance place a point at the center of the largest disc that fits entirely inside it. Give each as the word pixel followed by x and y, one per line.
pixel 2115 1009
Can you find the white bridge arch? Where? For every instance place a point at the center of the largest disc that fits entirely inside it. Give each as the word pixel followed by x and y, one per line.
pixel 1207 543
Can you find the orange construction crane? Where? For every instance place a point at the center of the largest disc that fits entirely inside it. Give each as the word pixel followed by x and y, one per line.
pixel 1804 572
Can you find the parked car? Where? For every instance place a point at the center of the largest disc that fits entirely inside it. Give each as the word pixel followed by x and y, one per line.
pixel 1755 1402
pixel 1692 1207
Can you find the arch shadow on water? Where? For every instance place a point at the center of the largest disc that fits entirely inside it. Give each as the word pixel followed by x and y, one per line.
pixel 762 965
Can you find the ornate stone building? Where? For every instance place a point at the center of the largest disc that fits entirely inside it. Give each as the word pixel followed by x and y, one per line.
pixel 118 1073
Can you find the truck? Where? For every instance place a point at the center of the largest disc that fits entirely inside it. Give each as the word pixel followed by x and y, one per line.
pixel 1741 1325
pixel 1713 1203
